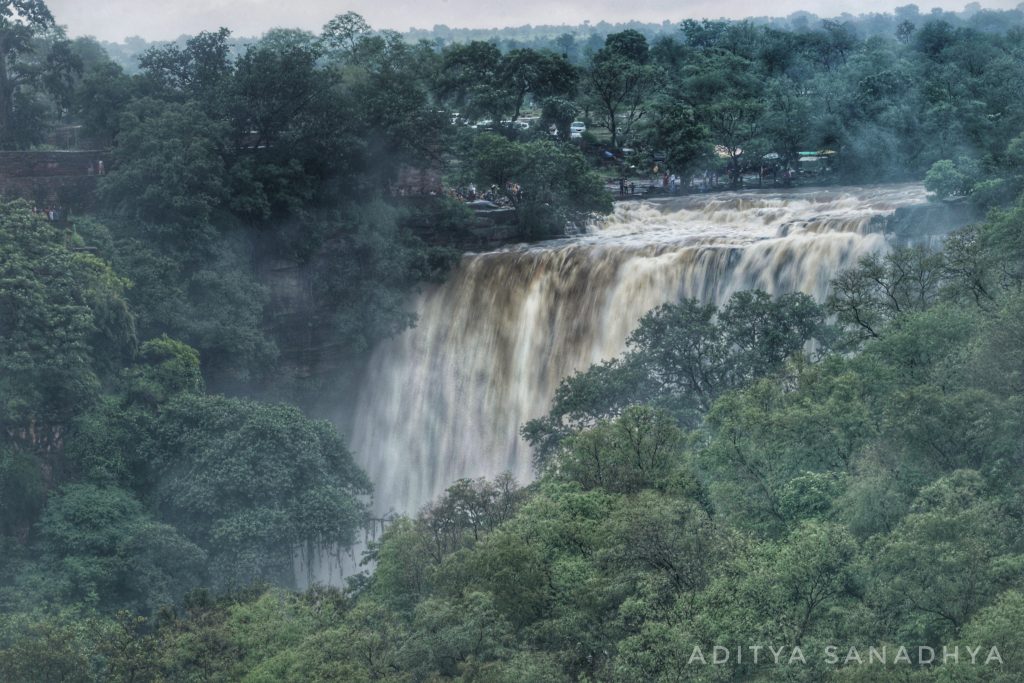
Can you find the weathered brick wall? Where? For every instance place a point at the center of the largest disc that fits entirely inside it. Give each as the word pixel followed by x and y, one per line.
pixel 50 164
pixel 64 179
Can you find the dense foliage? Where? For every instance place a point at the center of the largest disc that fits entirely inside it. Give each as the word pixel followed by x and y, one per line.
pixel 125 484
pixel 771 472
pixel 867 497
pixel 860 499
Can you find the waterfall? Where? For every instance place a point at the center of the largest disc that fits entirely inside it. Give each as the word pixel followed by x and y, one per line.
pixel 446 399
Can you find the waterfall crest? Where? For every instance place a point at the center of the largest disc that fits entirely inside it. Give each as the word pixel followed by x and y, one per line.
pixel 446 399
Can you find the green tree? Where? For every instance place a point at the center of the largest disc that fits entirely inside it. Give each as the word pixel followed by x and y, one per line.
pixel 528 72
pixel 62 317
pixel 275 91
pixel 620 88
pixel 396 119
pixel 555 186
pixel 365 268
pixel 675 131
pixel 883 288
pixel 997 625
pixel 639 450
pixel 629 44
pixel 905 31
pixel 560 113
pixel 936 585
pixel 727 95
pixel 117 442
pixel 467 511
pixel 171 172
pixel 948 179
pixel 21 22
pixel 343 32
pixel 671 537
pixel 764 332
pixel 103 547
pixel 104 92
pixel 255 484
pixel 682 357
pixel 41 648
pixel 468 79
pixel 766 445
pixel 198 72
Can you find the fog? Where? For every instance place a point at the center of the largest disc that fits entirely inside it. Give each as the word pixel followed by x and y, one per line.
pixel 115 20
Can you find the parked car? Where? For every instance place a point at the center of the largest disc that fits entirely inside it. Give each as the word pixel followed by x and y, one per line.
pixel 482 205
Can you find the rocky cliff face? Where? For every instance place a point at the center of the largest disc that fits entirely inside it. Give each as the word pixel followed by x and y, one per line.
pixel 927 223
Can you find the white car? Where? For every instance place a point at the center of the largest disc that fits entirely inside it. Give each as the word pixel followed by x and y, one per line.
pixel 577 128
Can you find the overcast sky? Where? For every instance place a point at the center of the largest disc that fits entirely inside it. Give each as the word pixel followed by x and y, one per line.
pixel 166 19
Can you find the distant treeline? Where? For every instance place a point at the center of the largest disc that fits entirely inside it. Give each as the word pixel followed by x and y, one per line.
pixel 581 40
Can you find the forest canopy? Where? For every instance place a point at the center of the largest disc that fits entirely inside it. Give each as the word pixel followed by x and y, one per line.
pixel 773 470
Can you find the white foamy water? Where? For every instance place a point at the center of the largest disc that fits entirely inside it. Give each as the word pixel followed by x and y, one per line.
pixel 446 399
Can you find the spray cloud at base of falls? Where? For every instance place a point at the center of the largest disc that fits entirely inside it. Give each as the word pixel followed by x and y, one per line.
pixel 445 400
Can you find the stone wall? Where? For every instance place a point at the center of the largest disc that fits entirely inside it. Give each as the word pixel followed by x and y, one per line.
pixel 53 179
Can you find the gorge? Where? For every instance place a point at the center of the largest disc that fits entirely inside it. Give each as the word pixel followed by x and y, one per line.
pixel 446 399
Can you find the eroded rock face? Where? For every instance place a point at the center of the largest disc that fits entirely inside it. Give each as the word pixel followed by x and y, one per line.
pixel 929 221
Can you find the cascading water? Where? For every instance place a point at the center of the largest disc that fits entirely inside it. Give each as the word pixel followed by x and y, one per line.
pixel 446 399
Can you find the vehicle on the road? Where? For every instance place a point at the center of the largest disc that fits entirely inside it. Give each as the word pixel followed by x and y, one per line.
pixel 482 205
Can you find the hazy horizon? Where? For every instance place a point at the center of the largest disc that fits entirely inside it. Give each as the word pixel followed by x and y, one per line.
pixel 116 20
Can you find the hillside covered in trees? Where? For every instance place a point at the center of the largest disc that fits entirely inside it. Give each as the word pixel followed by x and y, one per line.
pixel 771 472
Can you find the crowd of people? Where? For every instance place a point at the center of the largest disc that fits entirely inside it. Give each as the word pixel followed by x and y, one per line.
pixel 507 197
pixel 709 180
pixel 54 215
pixel 668 183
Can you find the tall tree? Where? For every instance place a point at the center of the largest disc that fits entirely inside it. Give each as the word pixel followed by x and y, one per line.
pixel 528 72
pixel 199 71
pixel 20 22
pixel 255 484
pixel 63 317
pixel 63 323
pixel 342 34
pixel 468 76
pixel 620 81
pixel 620 87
